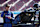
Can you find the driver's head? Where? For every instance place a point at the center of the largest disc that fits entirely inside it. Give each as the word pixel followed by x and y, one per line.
pixel 36 6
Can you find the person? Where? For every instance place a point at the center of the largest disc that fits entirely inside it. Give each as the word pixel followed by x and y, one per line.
pixel 7 16
pixel 36 17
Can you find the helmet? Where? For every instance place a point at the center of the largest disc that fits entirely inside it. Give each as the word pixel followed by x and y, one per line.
pixel 35 6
